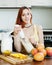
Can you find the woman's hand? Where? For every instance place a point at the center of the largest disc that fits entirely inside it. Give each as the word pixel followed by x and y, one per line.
pixel 32 40
pixel 17 29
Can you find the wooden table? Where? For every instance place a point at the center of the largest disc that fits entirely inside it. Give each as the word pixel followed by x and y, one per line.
pixel 47 61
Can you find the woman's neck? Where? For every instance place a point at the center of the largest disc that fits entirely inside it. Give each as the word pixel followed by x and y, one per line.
pixel 28 25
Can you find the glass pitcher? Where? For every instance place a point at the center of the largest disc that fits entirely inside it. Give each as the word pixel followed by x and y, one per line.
pixel 6 43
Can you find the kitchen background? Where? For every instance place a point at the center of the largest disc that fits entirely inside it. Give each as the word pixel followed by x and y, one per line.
pixel 41 11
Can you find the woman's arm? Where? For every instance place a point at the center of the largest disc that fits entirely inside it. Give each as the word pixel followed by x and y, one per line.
pixel 17 43
pixel 41 38
pixel 40 34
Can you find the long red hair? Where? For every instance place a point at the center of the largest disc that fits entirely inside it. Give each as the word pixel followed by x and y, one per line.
pixel 19 20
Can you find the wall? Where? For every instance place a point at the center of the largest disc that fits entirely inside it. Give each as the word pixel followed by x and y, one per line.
pixel 41 15
pixel 7 18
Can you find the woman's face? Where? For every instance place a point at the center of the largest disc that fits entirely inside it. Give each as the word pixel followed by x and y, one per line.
pixel 26 16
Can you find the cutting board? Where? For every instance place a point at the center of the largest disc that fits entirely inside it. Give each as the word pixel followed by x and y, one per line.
pixel 15 61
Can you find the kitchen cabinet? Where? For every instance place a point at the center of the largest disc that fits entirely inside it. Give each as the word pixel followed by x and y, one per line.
pixel 8 3
pixel 14 3
pixel 23 3
pixel 29 3
pixel 41 3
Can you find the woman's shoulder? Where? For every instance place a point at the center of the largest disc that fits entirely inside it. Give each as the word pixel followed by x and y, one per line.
pixel 37 26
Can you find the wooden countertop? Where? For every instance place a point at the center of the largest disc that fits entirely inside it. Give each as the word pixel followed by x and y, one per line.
pixel 46 61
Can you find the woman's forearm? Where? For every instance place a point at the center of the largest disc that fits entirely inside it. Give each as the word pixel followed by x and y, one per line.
pixel 17 43
pixel 41 38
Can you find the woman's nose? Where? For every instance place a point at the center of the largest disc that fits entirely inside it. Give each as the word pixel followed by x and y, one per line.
pixel 26 16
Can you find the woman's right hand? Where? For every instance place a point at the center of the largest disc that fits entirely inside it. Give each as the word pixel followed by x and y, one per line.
pixel 17 29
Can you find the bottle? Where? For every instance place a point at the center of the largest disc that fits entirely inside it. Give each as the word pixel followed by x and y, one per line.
pixel 21 33
pixel 25 42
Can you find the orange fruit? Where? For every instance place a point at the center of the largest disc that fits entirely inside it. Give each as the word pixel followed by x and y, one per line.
pixel 34 51
pixel 49 51
pixel 7 52
pixel 40 46
pixel 39 56
pixel 43 51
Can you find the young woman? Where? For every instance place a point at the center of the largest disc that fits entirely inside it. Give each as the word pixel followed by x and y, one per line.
pixel 32 31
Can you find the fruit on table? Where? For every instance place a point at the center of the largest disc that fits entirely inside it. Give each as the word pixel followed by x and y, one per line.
pixel 43 51
pixel 39 56
pixel 49 51
pixel 40 46
pixel 7 52
pixel 18 55
pixel 34 51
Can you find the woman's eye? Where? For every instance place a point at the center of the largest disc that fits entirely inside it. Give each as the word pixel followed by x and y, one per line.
pixel 23 15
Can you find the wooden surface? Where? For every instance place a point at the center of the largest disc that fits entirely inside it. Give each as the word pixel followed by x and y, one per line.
pixel 47 61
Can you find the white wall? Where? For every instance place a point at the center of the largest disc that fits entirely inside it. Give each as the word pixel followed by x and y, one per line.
pixel 7 18
pixel 43 16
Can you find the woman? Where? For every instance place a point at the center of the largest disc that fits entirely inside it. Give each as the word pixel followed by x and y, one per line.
pixel 34 32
